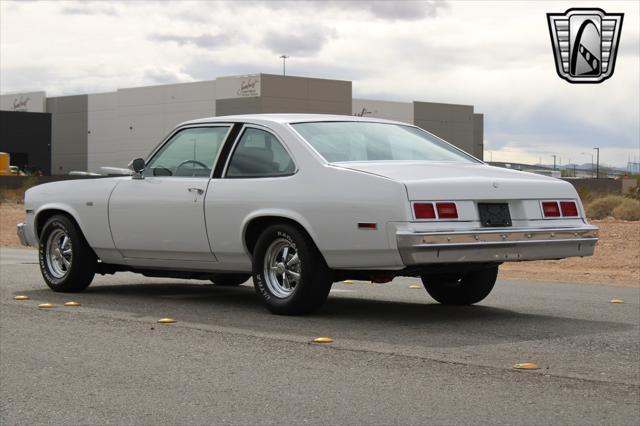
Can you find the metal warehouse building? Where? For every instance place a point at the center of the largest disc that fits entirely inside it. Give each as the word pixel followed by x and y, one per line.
pixel 109 129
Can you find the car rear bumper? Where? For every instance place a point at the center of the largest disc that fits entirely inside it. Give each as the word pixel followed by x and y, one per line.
pixel 495 245
pixel 23 235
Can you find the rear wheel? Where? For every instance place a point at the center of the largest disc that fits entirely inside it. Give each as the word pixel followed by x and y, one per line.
pixel 230 280
pixel 462 288
pixel 67 262
pixel 289 273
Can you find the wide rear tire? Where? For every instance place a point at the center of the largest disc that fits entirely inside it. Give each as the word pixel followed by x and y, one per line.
pixel 67 262
pixel 289 273
pixel 463 288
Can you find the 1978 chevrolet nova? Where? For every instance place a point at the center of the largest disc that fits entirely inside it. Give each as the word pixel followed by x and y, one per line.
pixel 302 201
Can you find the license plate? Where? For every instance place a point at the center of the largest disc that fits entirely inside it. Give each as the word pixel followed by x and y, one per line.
pixel 494 214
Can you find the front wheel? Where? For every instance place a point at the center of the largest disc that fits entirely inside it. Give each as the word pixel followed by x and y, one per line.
pixel 462 288
pixel 289 273
pixel 66 261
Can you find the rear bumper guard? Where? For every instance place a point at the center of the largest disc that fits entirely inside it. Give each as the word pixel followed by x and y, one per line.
pixel 496 245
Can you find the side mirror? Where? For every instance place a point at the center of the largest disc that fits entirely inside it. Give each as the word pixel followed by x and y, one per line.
pixel 137 166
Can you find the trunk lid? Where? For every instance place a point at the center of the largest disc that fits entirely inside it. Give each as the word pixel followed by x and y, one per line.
pixel 461 181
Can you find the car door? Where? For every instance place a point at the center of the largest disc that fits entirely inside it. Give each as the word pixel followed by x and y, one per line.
pixel 158 219
pixel 258 176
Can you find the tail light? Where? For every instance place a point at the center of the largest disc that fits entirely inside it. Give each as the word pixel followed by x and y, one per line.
pixel 569 209
pixel 424 211
pixel 438 210
pixel 447 210
pixel 551 209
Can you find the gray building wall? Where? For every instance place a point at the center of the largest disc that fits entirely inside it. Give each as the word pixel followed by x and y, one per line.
pixel 478 136
pixel 68 133
pixel 287 94
pixel 456 124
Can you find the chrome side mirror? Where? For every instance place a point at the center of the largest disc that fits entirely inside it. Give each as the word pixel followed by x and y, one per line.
pixel 137 166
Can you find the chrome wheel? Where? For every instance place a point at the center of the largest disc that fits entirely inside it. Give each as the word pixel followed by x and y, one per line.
pixel 281 268
pixel 58 253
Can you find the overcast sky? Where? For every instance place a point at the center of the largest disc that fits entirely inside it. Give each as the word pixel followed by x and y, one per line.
pixel 494 55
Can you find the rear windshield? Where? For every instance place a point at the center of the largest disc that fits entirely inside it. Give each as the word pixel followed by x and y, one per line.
pixel 343 141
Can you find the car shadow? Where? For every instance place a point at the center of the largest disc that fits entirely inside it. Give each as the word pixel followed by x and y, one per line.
pixel 426 324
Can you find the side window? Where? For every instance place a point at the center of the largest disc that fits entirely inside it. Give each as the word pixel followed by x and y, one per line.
pixel 189 153
pixel 259 154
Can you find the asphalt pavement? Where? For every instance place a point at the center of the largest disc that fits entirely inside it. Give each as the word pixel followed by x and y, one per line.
pixel 398 357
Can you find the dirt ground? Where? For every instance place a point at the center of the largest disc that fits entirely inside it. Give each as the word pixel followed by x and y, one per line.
pixel 616 261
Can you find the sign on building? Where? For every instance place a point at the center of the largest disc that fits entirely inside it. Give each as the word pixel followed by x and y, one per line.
pixel 24 102
pixel 242 86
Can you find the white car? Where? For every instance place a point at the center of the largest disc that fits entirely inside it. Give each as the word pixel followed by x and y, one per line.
pixel 299 202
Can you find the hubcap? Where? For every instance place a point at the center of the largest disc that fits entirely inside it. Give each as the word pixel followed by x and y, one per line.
pixel 281 268
pixel 58 253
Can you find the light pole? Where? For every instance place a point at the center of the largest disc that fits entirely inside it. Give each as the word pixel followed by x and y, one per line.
pixel 597 162
pixel 554 161
pixel 284 64
pixel 591 154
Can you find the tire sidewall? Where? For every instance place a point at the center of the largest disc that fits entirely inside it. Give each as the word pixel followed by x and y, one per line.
pixel 51 225
pixel 309 288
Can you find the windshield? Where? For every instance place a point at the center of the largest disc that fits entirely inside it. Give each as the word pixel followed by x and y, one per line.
pixel 364 141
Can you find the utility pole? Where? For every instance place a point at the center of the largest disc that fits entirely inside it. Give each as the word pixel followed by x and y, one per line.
pixel 554 161
pixel 597 162
pixel 284 64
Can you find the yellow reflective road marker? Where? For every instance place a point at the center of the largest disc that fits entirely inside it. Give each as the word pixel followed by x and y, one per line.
pixel 166 321
pixel 616 301
pixel 46 305
pixel 21 297
pixel 415 286
pixel 72 303
pixel 526 366
pixel 323 340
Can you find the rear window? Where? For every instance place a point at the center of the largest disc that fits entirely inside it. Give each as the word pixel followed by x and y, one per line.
pixel 345 141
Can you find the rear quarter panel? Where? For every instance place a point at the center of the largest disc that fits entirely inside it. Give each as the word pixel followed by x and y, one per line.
pixel 327 201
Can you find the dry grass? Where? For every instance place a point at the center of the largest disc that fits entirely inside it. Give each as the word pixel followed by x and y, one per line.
pixel 603 207
pixel 629 209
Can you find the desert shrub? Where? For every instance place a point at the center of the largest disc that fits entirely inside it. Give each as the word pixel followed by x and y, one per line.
pixel 585 195
pixel 603 207
pixel 634 192
pixel 627 210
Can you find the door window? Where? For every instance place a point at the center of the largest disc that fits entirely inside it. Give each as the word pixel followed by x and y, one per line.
pixel 189 153
pixel 259 154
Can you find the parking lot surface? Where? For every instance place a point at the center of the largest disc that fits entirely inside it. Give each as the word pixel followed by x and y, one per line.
pixel 398 357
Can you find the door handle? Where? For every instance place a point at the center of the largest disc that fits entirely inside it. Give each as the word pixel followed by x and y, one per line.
pixel 196 190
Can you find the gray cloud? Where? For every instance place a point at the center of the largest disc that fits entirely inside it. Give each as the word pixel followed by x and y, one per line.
pixel 206 41
pixel 90 8
pixel 303 41
pixel 398 10
pixel 408 10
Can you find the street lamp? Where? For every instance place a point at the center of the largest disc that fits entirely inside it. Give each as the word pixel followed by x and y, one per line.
pixel 284 64
pixel 591 154
pixel 597 162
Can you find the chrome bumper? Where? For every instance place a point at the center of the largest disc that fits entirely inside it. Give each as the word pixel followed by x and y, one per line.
pixel 22 235
pixel 496 245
